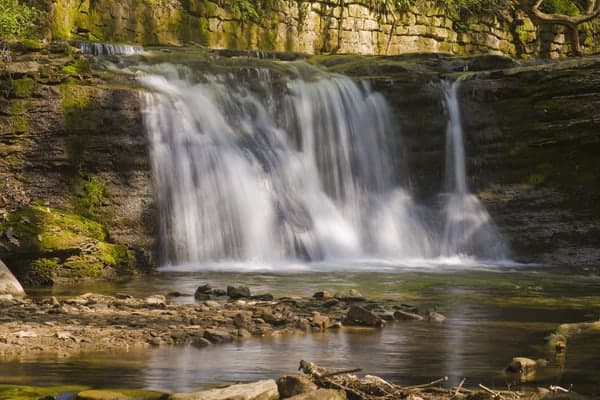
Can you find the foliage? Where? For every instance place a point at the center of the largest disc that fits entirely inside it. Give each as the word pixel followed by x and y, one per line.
pixel 91 198
pixel 18 20
pixel 244 10
pixel 158 3
pixel 470 6
pixel 565 7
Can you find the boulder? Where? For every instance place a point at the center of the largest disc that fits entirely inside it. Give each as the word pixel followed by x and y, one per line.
pixel 363 317
pixel 292 385
pixel 321 394
pixel 8 283
pixel 261 390
pixel 238 292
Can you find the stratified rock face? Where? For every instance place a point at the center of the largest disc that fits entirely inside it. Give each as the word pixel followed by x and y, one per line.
pixel 8 283
pixel 307 26
pixel 72 149
pixel 533 142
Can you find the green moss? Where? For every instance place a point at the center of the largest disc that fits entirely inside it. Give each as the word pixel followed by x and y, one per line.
pixel 17 392
pixel 77 66
pixel 120 394
pixel 18 116
pixel 23 87
pixel 90 195
pixel 41 229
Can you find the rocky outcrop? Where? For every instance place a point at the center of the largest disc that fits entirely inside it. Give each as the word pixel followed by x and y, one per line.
pixel 75 189
pixel 307 26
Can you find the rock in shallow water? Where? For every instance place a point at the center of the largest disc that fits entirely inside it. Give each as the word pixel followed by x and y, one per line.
pixel 261 390
pixel 407 316
pixel 362 317
pixel 238 292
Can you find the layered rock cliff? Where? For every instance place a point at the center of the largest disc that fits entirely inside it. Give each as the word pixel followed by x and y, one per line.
pixel 309 26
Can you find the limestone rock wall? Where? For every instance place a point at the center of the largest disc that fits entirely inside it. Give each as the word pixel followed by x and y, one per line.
pixel 325 26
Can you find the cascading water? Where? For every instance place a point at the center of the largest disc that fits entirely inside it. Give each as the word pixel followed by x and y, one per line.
pixel 235 183
pixel 253 167
pixel 469 228
pixel 108 49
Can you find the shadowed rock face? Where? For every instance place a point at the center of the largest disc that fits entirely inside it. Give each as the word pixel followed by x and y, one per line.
pixel 70 141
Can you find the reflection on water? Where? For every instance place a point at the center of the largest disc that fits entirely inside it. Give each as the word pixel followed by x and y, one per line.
pixel 493 315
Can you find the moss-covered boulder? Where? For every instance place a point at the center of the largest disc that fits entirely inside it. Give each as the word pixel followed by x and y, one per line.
pixel 44 245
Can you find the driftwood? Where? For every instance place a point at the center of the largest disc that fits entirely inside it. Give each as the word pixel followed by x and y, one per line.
pixel 372 387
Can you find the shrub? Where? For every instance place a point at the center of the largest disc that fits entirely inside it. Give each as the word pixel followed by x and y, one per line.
pixel 18 20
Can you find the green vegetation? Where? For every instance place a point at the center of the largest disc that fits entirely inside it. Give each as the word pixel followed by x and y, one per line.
pixel 17 392
pixel 48 244
pixel 18 20
pixel 565 7
pixel 448 6
pixel 23 87
pixel 90 196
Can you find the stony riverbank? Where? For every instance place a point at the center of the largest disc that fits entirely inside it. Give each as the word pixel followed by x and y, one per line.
pixel 92 322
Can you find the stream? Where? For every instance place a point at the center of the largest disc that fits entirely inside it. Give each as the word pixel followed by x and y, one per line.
pixel 495 312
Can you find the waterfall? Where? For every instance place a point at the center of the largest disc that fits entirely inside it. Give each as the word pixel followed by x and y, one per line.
pixel 468 229
pixel 244 172
pixel 108 49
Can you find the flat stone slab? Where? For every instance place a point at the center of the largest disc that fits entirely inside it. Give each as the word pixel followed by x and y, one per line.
pixel 261 390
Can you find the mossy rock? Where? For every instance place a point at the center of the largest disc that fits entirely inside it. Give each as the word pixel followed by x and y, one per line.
pixel 18 392
pixel 23 88
pixel 118 394
pixel 44 245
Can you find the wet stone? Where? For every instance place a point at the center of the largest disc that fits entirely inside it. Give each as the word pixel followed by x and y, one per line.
pixel 436 317
pixel 322 295
pixel 239 292
pixel 401 315
pixel 362 317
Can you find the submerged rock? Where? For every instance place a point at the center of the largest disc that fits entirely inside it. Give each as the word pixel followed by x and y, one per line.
pixel 362 317
pixel 9 285
pixel 261 390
